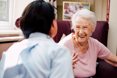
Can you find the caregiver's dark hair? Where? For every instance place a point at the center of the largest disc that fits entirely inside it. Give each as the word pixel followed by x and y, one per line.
pixel 37 17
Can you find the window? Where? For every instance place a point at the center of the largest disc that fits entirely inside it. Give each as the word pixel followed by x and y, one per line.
pixel 6 14
pixel 3 10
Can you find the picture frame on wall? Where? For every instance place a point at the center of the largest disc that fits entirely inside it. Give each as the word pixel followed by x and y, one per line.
pixel 69 8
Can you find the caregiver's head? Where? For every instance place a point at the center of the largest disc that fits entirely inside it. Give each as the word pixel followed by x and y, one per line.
pixel 84 23
pixel 38 16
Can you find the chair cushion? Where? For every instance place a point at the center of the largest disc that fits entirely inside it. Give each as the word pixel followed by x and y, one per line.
pixel 101 32
pixel 105 70
pixel 63 28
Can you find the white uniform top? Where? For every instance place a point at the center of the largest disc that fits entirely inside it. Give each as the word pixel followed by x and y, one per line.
pixel 36 57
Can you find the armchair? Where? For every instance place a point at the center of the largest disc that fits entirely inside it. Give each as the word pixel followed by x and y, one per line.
pixel 103 70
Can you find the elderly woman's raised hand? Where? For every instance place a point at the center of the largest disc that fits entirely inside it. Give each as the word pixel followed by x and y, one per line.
pixel 75 59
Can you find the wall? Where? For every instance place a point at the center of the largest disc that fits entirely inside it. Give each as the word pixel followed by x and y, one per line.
pixel 4 47
pixel 112 36
pixel 20 6
pixel 97 6
pixel 100 9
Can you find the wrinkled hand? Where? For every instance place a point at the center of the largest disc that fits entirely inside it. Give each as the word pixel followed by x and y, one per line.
pixel 75 59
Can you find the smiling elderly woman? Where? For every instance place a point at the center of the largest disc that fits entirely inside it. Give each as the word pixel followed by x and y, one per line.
pixel 85 48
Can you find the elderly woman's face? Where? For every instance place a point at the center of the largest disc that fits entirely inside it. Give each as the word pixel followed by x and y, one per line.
pixel 83 29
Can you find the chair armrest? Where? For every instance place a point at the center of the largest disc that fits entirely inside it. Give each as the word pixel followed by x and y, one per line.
pixel 105 70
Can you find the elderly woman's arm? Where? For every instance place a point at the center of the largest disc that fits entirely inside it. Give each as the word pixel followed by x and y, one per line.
pixel 112 59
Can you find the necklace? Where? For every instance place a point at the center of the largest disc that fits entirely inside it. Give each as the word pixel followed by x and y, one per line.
pixel 80 49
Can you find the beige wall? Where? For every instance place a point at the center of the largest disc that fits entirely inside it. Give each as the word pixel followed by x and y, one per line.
pixel 112 36
pixel 20 6
pixel 100 9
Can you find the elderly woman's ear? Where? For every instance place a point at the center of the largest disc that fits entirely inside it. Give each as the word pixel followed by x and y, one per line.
pixel 93 29
pixel 17 22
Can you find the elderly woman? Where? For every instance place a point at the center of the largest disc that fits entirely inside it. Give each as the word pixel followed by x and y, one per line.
pixel 85 48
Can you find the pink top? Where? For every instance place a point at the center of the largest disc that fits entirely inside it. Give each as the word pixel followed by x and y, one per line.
pixel 86 66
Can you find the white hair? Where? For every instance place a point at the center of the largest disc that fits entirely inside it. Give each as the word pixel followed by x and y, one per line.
pixel 85 13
